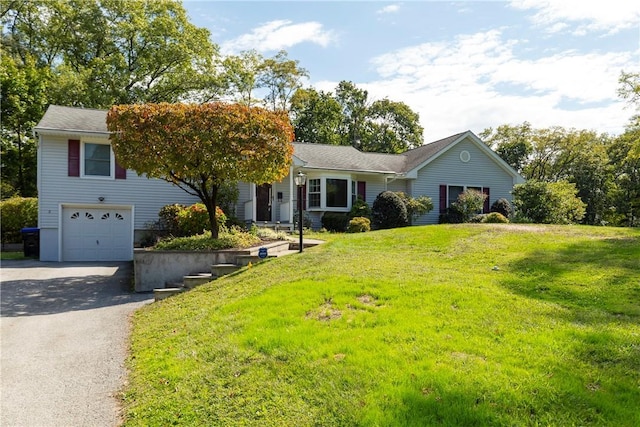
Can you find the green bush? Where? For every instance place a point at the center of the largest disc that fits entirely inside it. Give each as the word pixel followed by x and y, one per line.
pixel 359 224
pixel 503 207
pixel 469 203
pixel 335 221
pixel 360 208
pixel 179 220
pixel 548 202
pixel 389 211
pixel 168 219
pixel 17 213
pixel 416 206
pixel 203 242
pixel 452 215
pixel 495 218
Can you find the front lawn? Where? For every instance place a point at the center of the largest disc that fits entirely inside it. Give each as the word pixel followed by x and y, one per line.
pixel 438 325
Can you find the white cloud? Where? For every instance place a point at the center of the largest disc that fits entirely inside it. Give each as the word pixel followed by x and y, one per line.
pixel 476 81
pixel 392 8
pixel 280 34
pixel 609 16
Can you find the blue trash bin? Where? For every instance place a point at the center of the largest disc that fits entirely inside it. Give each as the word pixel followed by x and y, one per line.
pixel 31 241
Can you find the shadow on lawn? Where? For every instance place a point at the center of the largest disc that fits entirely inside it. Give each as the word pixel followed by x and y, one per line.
pixel 590 279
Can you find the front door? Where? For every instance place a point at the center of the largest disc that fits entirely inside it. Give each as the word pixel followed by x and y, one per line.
pixel 263 202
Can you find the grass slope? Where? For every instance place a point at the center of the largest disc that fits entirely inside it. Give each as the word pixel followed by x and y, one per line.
pixel 406 327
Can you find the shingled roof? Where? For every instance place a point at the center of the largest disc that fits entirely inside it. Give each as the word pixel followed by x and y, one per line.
pixel 313 156
pixel 73 119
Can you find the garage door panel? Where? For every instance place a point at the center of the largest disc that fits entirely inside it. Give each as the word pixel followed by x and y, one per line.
pixel 91 234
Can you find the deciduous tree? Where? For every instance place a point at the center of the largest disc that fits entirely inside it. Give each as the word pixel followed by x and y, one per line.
pixel 200 147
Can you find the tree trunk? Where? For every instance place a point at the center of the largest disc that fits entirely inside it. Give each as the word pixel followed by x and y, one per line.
pixel 210 204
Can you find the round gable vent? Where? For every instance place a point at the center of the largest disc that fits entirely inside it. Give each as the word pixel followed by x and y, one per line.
pixel 465 156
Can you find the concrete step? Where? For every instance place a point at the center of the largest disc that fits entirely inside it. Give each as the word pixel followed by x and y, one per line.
pixel 219 270
pixel 295 246
pixel 194 280
pixel 272 248
pixel 162 293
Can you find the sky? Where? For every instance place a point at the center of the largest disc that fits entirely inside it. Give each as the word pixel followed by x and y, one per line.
pixel 460 65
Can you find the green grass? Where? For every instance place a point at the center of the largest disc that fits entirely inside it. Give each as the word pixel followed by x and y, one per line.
pixel 468 325
pixel 5 256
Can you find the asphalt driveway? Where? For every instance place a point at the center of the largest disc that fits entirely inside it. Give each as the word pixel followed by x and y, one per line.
pixel 63 342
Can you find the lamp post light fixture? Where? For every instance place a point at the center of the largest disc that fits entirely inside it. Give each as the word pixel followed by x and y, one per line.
pixel 300 179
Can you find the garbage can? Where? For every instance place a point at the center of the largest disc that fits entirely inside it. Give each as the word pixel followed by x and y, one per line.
pixel 31 242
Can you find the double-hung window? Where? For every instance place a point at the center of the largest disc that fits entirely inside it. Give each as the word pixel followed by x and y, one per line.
pixel 97 160
pixel 314 193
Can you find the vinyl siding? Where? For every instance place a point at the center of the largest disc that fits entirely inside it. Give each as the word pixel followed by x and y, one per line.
pixel 56 187
pixel 397 185
pixel 480 171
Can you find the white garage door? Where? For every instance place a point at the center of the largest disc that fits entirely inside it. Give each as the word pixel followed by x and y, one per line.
pixel 90 234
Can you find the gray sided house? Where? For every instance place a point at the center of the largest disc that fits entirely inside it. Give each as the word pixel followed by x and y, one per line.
pixel 90 209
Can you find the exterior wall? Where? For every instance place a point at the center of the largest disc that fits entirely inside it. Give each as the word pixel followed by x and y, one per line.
pixel 244 196
pixel 479 171
pixel 397 185
pixel 147 196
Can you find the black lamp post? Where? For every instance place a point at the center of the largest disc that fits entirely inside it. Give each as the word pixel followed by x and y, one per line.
pixel 301 179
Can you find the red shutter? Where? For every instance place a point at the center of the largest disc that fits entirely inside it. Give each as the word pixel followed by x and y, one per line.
pixel 486 208
pixel 121 173
pixel 362 190
pixel 73 158
pixel 443 198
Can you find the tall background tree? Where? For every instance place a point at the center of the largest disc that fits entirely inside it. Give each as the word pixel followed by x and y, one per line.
pixel 348 117
pixel 199 148
pixel 93 53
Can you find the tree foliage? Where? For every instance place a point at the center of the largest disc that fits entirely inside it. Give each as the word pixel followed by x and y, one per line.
pixel 548 202
pixel 348 117
pixel 200 147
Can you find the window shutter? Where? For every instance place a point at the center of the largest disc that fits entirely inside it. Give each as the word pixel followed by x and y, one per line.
pixel 73 157
pixel 362 190
pixel 121 173
pixel 443 198
pixel 486 208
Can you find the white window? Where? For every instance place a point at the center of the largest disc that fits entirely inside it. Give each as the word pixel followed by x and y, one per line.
pixel 329 193
pixel 314 193
pixel 97 160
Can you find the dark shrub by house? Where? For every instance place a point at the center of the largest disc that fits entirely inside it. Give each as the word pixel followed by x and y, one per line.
pixel 389 211
pixel 335 221
pixel 503 207
pixel 452 215
pixel 359 224
pixel 360 208
pixel 179 220
pixel 416 206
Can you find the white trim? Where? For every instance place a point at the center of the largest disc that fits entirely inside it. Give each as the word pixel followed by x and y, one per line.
pixel 323 191
pixel 112 161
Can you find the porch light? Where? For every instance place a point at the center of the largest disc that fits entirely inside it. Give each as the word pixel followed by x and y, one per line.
pixel 301 180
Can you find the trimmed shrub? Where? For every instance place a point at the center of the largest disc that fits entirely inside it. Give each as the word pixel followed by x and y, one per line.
pixel 389 211
pixel 495 218
pixel 359 224
pixel 17 213
pixel 360 208
pixel 502 206
pixel 335 221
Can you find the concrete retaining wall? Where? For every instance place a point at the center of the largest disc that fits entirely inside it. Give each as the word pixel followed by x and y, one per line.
pixel 155 269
